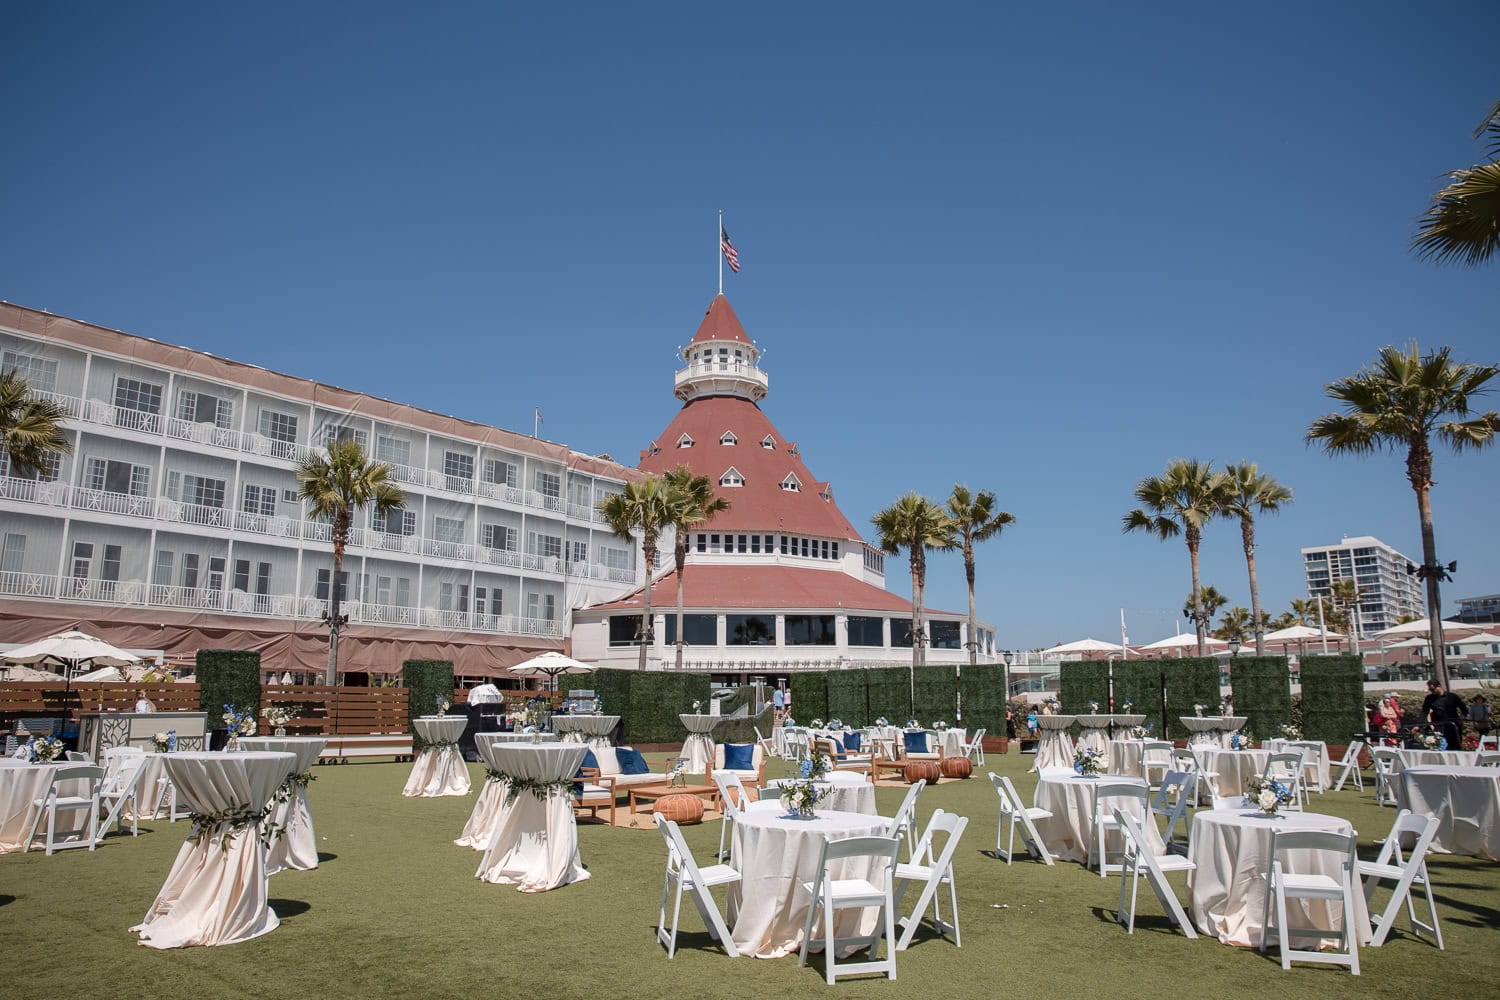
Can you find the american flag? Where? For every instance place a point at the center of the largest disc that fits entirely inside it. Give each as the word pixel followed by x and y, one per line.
pixel 730 253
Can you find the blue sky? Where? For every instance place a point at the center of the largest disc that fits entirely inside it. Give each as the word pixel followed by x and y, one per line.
pixel 1038 250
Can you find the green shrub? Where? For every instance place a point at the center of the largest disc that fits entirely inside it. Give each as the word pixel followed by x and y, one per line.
pixel 983 688
pixel 425 681
pixel 228 677
pixel 1081 682
pixel 847 697
pixel 1333 697
pixel 888 693
pixel 937 696
pixel 656 701
pixel 1190 680
pixel 1262 688
pixel 611 686
pixel 1140 681
pixel 809 695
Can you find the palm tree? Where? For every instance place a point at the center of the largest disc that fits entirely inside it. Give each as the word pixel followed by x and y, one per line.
pixel 1342 598
pixel 1463 223
pixel 642 507
pixel 1209 599
pixel 335 488
pixel 1237 625
pixel 692 502
pixel 30 425
pixel 916 524
pixel 1182 499
pixel 1402 402
pixel 1247 492
pixel 974 519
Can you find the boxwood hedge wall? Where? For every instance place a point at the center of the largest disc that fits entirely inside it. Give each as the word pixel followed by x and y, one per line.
pixel 983 688
pixel 937 696
pixel 425 681
pixel 1333 697
pixel 888 693
pixel 1140 682
pixel 846 697
pixel 810 696
pixel 228 677
pixel 656 701
pixel 1191 680
pixel 1081 682
pixel 1262 692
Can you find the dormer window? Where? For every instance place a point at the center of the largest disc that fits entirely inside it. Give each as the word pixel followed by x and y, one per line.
pixel 732 477
pixel 684 442
pixel 791 483
pixel 768 443
pixel 827 496
pixel 792 451
pixel 728 438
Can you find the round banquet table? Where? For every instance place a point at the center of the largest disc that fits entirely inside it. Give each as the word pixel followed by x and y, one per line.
pixel 1203 728
pixel 1436 758
pixel 1070 798
pixel 591 729
pixel 21 785
pixel 775 855
pixel 1095 732
pixel 295 845
pixel 1325 768
pixel 1232 849
pixel 1056 747
pixel 1123 720
pixel 1234 767
pixel 482 738
pixel 843 791
pixel 439 769
pixel 1125 757
pixel 1466 801
pixel 492 794
pixel 535 842
pixel 217 891
pixel 699 746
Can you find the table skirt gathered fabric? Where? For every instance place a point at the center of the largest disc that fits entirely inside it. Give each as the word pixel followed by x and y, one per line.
pixel 698 748
pixel 1094 732
pixel 492 795
pixel 1436 758
pixel 1227 895
pixel 535 841
pixel 1056 747
pixel 1466 801
pixel 20 787
pixel 439 769
pixel 217 891
pixel 1070 798
pixel 1125 757
pixel 480 739
pixel 843 791
pixel 1235 768
pixel 591 729
pixel 775 855
pixel 294 844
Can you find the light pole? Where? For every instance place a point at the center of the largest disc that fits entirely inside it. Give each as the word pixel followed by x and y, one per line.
pixel 1234 648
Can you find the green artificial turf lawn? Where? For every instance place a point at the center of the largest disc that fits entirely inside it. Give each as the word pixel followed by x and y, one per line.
pixel 395 911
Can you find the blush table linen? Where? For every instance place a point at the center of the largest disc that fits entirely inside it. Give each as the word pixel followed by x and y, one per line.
pixel 217 891
pixel 295 844
pixel 775 855
pixel 1056 747
pixel 843 791
pixel 439 769
pixel 20 786
pixel 1227 895
pixel 1235 768
pixel 1436 758
pixel 1466 801
pixel 591 729
pixel 1125 757
pixel 535 841
pixel 1070 798
pixel 488 808
pixel 699 746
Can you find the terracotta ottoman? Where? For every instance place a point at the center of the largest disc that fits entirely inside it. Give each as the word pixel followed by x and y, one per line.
pixel 957 767
pixel 681 808
pixel 920 770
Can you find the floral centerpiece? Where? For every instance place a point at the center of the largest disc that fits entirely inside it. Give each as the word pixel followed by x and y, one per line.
pixel 940 725
pixel 239 724
pixel 801 796
pixel 882 721
pixel 1088 762
pixel 787 721
pixel 1140 732
pixel 1241 741
pixel 278 716
pixel 43 749
pixel 442 704
pixel 1093 708
pixel 1432 741
pixel 913 724
pixel 528 719
pixel 697 707
pixel 1127 707
pixel 1198 710
pixel 164 742
pixel 1290 732
pixel 1267 795
pixel 836 725
pixel 816 724
pixel 1470 741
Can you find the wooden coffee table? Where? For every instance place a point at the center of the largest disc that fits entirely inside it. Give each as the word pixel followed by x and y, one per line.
pixel 650 793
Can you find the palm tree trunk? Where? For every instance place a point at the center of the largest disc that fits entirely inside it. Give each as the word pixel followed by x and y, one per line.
pixel 1434 600
pixel 332 677
pixel 648 550
pixel 679 555
pixel 916 622
pixel 922 610
pixel 1247 535
pixel 1197 597
pixel 969 572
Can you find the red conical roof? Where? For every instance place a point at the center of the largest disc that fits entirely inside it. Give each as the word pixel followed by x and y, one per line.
pixel 720 323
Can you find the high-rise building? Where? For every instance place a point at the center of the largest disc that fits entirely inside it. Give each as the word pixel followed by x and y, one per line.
pixel 1387 592
pixel 175 523
pixel 780 581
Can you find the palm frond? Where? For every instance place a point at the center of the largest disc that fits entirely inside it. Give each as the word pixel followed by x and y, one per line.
pixel 1463 223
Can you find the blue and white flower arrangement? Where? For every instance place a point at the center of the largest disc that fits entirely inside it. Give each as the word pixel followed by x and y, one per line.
pixel 1432 741
pixel 800 797
pixel 1140 732
pixel 1290 732
pixel 882 721
pixel 1241 741
pixel 443 704
pixel 1087 761
pixel 1267 795
pixel 43 749
pixel 164 742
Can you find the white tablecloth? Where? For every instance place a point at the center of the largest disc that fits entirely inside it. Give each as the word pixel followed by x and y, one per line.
pixel 535 843
pixel 1070 799
pixel 490 805
pixel 1466 801
pixel 844 791
pixel 775 855
pixel 952 741
pixel 20 786
pixel 699 746
pixel 296 844
pixel 217 891
pixel 1095 732
pixel 480 739
pixel 1325 768
pixel 1125 757
pixel 1235 769
pixel 439 770
pixel 1227 896
pixel 591 729
pixel 1056 747
pixel 1436 758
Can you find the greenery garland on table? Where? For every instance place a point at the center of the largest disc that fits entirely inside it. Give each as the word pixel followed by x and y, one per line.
pixel 236 819
pixel 490 774
pixel 542 788
pixel 439 745
pixel 284 791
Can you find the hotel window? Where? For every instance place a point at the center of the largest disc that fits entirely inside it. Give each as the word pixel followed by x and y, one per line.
pixel 83 559
pixel 499 536
pixel 241 575
pixel 201 408
pixel 835 550
pixel 448 529
pixel 728 438
pixel 804 548
pixel 278 426
pixel 750 630
pixel 13 556
pixel 542 607
pixel 768 443
pixel 547 546
pixel 392 450
pixel 755 545
pixel 500 473
pixel 48 473
pixel 864 631
pixel 548 484
pixel 784 546
pixel 396 522
pixel 458 468
pixel 137 396
pixel 732 478
pixel 945 635
pixel 445 597
pixel 190 570
pixel 744 544
pixel 580 493
pixel 40 373
pixel 791 484
pixel 198 490
pixel 809 630
pixel 620 558
pixel 290 496
pixel 403 592
pixel 259 500
pixel 684 442
pixel 339 433
pixel 320 590
pixel 263 578
pixel 480 593
pixel 625 630
pixel 215 572
pixel 901 632
pixel 578 552
pixel 117 477
pixel 702 543
pixel 163 574
pixel 713 543
pixel 697 630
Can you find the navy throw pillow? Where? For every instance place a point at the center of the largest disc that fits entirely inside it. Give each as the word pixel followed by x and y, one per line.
pixel 852 742
pixel 739 756
pixel 631 761
pixel 589 760
pixel 916 742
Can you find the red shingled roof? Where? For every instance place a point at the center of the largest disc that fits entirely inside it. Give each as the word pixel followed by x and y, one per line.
pixel 720 323
pixel 761 504
pixel 721 586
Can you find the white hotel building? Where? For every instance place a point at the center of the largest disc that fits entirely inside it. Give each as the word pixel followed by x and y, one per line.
pixel 1387 592
pixel 175 523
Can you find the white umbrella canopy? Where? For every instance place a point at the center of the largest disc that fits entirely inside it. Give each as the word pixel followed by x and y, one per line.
pixel 1299 633
pixel 485 694
pixel 1415 642
pixel 1090 645
pixel 1183 640
pixel 1422 626
pixel 103 674
pixel 24 673
pixel 550 664
pixel 72 647
pixel 1478 639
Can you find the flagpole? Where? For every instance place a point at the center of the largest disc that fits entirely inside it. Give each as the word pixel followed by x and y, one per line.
pixel 720 234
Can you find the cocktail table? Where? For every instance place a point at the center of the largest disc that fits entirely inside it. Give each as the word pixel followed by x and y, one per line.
pixel 650 793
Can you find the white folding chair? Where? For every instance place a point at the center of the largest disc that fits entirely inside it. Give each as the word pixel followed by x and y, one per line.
pixel 1208 778
pixel 1387 763
pixel 1156 755
pixel 904 823
pixel 119 788
pixel 1104 819
pixel 1348 767
pixel 1173 799
pixel 1412 870
pixel 830 894
pixel 1140 861
pixel 974 749
pixel 1487 758
pixel 1312 765
pixel 1282 885
pixel 1285 766
pixel 932 870
pixel 54 800
pixel 733 798
pixel 1184 762
pixel 1012 812
pixel 768 746
pixel 683 873
pixel 77 757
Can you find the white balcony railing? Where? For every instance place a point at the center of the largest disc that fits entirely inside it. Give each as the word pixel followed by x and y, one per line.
pixel 33 491
pixel 461 551
pixel 500 491
pixel 194 598
pixel 544 500
pixel 71 405
pixel 499 557
pixel 191 513
pixel 113 503
pixel 267 524
pixel 103 591
pixel 16 584
pixel 203 433
pixel 408 474
pixel 453 484
pixel 285 451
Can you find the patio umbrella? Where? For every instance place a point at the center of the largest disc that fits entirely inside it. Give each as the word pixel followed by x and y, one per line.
pixel 1478 639
pixel 1090 645
pixel 1183 640
pixel 1422 627
pixel 1300 634
pixel 102 674
pixel 1415 642
pixel 550 664
pixel 72 648
pixel 23 673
